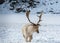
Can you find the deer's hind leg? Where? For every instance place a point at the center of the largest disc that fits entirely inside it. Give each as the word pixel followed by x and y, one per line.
pixel 23 35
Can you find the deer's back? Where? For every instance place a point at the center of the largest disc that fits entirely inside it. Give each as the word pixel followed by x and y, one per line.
pixel 27 29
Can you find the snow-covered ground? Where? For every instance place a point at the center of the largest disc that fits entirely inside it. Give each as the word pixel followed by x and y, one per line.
pixel 11 25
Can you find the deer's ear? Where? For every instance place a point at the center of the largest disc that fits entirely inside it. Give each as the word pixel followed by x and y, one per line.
pixel 38 24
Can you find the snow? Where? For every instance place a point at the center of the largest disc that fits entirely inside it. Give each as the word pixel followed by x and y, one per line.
pixel 10 30
pixel 55 7
pixel 11 24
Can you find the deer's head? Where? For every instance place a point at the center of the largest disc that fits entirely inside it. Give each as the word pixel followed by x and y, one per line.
pixel 35 25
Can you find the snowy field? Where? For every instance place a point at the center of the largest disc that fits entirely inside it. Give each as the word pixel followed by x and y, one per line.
pixel 11 25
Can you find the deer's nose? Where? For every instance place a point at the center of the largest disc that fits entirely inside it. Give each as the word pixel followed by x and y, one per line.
pixel 37 31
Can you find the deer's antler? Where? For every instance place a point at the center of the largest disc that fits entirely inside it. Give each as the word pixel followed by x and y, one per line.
pixel 27 15
pixel 40 17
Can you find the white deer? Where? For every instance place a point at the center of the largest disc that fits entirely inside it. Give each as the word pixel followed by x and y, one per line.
pixel 29 29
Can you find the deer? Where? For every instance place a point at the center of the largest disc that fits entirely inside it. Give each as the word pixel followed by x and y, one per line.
pixel 29 29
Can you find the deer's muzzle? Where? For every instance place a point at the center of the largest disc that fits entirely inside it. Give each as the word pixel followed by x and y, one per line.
pixel 37 31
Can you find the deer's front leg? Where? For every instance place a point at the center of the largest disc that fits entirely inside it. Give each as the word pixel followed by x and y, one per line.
pixel 29 38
